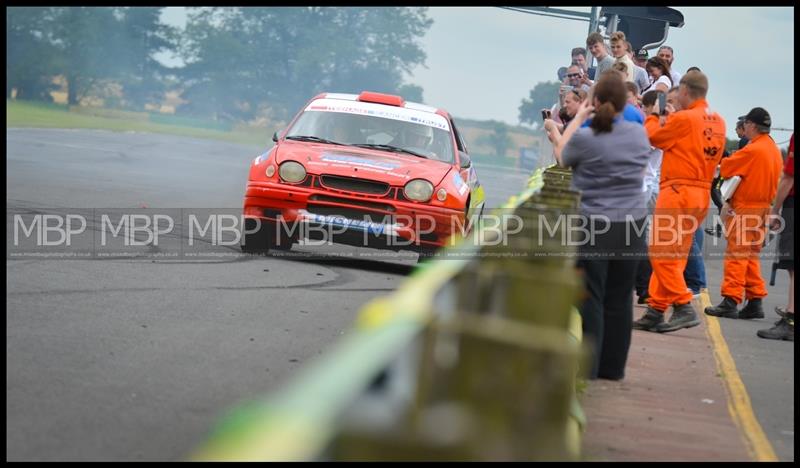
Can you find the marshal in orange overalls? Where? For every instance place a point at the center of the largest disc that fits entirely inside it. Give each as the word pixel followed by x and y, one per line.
pixel 759 165
pixel 692 140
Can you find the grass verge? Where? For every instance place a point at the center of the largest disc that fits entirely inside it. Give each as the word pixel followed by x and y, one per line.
pixel 45 115
pixel 508 163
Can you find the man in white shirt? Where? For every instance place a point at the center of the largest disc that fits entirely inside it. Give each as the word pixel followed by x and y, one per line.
pixel 619 49
pixel 665 52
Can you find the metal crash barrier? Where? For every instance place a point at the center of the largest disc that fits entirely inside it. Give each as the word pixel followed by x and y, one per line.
pixel 473 357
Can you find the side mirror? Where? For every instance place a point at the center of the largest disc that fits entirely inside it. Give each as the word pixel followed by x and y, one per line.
pixel 465 160
pixel 275 137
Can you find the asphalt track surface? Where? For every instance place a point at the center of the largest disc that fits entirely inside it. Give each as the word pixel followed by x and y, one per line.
pixel 137 358
pixel 766 367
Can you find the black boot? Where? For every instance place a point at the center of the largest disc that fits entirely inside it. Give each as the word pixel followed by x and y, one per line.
pixel 783 330
pixel 726 308
pixel 649 320
pixel 643 298
pixel 683 316
pixel 752 310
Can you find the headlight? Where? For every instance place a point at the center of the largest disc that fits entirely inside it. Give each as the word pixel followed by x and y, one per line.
pixel 292 172
pixel 418 190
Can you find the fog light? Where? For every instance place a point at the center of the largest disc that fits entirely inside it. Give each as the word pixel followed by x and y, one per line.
pixel 270 170
pixel 441 195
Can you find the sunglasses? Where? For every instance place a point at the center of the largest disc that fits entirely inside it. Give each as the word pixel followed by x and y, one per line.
pixel 573 75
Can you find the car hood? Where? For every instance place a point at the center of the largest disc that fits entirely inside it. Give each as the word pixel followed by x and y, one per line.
pixel 349 161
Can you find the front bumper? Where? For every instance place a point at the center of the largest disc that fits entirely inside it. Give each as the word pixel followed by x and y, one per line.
pixel 369 221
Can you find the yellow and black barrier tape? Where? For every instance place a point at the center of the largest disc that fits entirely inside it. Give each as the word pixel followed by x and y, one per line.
pixel 303 421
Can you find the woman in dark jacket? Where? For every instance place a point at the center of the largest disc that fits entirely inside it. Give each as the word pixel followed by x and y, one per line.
pixel 608 160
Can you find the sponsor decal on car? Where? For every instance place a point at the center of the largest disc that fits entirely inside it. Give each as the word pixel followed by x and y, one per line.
pixel 333 220
pixel 378 110
pixel 262 157
pixel 358 161
pixel 459 182
pixel 429 122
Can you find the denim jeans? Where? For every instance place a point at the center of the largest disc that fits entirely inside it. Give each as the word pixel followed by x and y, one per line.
pixel 695 272
pixel 644 269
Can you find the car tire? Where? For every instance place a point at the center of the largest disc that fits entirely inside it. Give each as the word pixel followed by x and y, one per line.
pixel 480 215
pixel 259 241
pixel 284 245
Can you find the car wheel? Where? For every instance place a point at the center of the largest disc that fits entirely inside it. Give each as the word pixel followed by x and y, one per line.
pixel 480 215
pixel 285 244
pixel 258 241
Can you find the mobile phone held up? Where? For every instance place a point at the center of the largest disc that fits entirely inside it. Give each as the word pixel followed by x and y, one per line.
pixel 662 103
pixel 545 114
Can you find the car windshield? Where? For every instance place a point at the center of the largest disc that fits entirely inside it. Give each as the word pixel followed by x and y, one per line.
pixel 376 132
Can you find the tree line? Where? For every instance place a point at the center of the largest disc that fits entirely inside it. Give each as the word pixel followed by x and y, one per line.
pixel 239 62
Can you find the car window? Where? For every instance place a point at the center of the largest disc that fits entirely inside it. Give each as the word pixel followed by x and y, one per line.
pixel 354 129
pixel 459 141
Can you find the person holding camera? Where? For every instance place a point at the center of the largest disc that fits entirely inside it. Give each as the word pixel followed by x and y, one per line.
pixel 576 78
pixel 573 78
pixel 692 140
pixel 610 149
pixel 578 55
pixel 572 101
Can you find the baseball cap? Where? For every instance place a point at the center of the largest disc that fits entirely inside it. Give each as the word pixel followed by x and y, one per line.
pixel 642 54
pixel 759 116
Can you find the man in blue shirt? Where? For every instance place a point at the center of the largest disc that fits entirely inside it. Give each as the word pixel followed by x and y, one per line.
pixel 630 113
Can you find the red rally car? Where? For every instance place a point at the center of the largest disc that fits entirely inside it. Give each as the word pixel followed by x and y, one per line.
pixel 369 170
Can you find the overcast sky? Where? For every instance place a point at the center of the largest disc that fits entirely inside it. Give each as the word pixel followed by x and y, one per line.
pixel 482 61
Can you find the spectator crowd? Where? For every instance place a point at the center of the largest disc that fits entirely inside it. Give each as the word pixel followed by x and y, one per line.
pixel 648 154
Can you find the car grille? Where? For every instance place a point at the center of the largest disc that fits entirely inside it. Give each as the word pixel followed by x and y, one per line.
pixel 347 201
pixel 350 184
